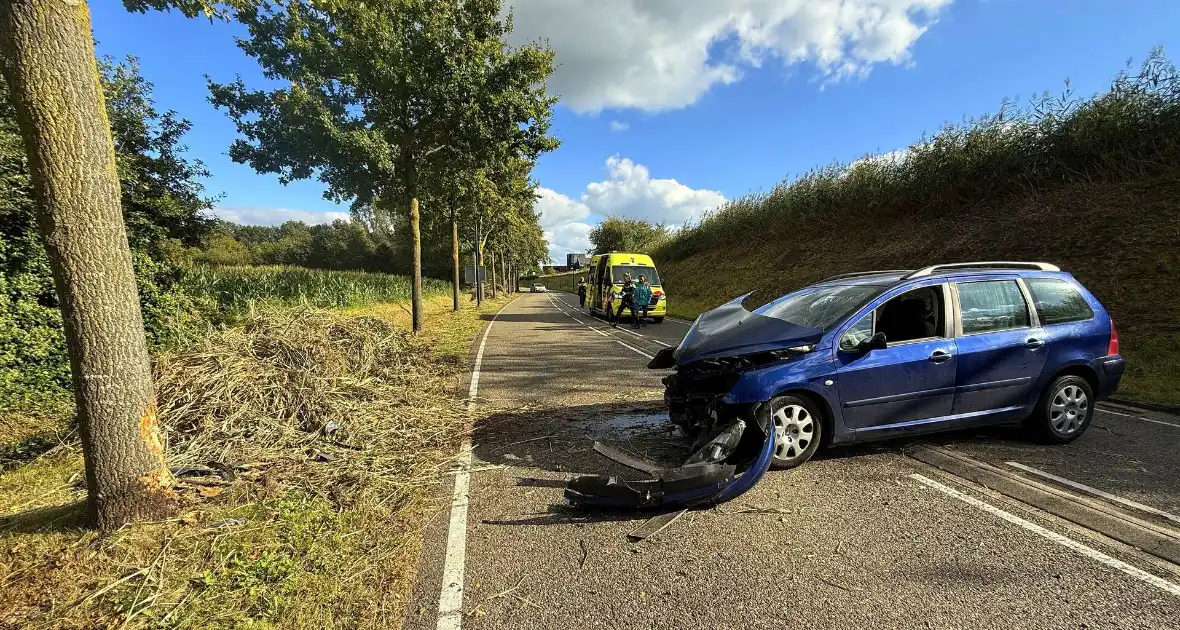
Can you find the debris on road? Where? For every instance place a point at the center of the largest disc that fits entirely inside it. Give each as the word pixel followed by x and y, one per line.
pixel 655 525
pixel 724 467
pixel 627 460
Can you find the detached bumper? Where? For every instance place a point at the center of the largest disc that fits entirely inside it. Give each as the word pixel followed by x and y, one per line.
pixel 1110 371
pixel 725 467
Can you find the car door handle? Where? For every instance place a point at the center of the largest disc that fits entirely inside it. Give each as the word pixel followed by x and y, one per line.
pixel 1034 343
pixel 938 356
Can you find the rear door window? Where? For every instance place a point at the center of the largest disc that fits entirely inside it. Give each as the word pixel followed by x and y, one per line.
pixel 1057 301
pixel 992 305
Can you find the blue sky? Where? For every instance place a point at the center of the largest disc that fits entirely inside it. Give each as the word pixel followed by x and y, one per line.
pixel 671 107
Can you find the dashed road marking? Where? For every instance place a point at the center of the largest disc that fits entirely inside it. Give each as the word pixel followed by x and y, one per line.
pixel 1076 546
pixel 1095 491
pixel 450 598
pixel 629 332
pixel 595 329
pixel 1135 417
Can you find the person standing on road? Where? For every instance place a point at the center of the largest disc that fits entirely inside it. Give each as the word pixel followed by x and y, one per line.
pixel 581 293
pixel 642 300
pixel 627 301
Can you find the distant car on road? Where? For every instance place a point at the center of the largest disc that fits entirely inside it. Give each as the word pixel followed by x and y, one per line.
pixel 539 288
pixel 880 354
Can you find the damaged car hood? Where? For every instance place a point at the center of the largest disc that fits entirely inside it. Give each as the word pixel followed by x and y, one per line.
pixel 731 330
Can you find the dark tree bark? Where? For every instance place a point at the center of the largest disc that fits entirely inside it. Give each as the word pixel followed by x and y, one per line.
pixel 478 261
pixel 454 261
pixel 416 267
pixel 47 52
pixel 492 264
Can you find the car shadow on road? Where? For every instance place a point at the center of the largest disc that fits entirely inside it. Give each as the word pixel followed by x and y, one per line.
pixel 561 439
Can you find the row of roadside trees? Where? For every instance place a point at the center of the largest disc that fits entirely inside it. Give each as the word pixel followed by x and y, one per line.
pixel 413 111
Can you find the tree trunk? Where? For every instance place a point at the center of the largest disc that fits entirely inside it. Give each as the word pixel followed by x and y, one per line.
pixel 454 261
pixel 53 77
pixel 475 265
pixel 415 267
pixel 492 264
pixel 478 261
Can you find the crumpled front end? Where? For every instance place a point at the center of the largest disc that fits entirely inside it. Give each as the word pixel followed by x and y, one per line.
pixel 726 465
pixel 734 443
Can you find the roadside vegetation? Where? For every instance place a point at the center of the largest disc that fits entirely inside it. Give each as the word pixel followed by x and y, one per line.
pixel 306 444
pixel 188 440
pixel 235 289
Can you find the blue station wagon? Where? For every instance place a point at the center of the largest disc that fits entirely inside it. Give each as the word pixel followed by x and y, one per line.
pixel 881 354
pixel 875 355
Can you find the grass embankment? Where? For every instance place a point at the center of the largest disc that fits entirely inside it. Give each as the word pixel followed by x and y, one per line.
pixel 1091 185
pixel 312 440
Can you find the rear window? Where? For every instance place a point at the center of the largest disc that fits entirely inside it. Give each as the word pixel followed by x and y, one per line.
pixel 991 306
pixel 617 272
pixel 1057 301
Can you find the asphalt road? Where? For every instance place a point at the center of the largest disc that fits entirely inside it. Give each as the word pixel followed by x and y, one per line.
pixel 860 537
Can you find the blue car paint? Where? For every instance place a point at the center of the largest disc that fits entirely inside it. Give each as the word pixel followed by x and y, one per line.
pixel 989 378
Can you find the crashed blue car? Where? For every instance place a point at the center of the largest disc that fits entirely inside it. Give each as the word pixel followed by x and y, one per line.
pixel 870 356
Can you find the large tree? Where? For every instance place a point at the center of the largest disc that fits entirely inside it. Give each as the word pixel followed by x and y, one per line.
pixel 386 102
pixel 47 57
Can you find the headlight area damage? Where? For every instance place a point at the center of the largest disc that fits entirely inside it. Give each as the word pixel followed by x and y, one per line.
pixel 734 444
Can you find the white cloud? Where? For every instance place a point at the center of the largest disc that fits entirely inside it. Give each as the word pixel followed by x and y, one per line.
pixel 631 192
pixel 664 54
pixel 617 126
pixel 628 191
pixel 277 216
pixel 563 222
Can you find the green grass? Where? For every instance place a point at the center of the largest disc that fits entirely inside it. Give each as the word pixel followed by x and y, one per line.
pixel 237 288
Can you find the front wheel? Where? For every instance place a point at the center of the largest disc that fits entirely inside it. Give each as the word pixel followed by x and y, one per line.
pixel 797 431
pixel 1064 410
pixel 657 320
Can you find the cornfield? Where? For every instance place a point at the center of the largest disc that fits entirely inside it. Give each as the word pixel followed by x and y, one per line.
pixel 236 288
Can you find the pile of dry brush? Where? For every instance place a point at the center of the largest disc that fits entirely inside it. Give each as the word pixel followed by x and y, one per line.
pixel 343 405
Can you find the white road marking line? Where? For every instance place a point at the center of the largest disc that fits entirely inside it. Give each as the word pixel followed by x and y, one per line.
pixel 1087 551
pixel 450 598
pixel 1135 417
pixel 1095 491
pixel 595 329
pixel 1167 424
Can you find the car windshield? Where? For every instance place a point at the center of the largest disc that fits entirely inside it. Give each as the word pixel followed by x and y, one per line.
pixel 819 307
pixel 635 270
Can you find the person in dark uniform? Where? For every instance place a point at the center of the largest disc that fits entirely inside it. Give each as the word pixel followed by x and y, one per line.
pixel 627 301
pixel 582 293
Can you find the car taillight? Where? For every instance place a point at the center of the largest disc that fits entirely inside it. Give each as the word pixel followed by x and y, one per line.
pixel 1113 346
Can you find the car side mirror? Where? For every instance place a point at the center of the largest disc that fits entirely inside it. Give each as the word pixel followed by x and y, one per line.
pixel 876 342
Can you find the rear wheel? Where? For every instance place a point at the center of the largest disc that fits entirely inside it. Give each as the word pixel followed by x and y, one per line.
pixel 1064 410
pixel 797 431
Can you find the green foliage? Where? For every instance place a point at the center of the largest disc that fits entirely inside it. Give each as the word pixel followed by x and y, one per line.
pixel 1131 131
pixel 164 210
pixel 239 288
pixel 618 234
pixel 391 101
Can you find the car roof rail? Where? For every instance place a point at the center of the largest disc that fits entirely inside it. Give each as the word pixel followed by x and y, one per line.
pixel 995 264
pixel 854 274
